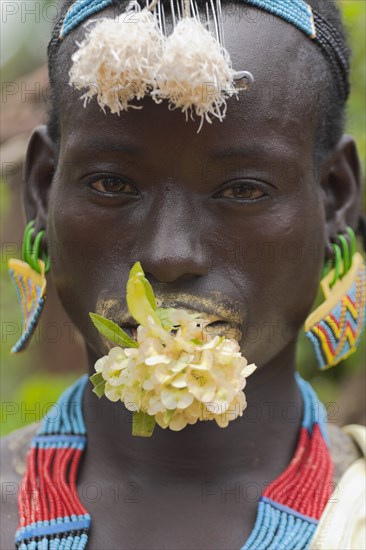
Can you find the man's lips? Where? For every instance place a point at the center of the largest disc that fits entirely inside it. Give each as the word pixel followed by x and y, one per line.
pixel 130 330
pixel 212 322
pixel 210 329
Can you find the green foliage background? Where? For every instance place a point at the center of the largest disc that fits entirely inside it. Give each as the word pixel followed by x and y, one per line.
pixel 32 384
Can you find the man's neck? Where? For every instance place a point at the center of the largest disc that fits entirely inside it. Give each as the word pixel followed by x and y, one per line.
pixel 263 439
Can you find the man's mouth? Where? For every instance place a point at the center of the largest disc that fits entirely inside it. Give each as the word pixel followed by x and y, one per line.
pixel 208 330
pixel 221 328
pixel 131 330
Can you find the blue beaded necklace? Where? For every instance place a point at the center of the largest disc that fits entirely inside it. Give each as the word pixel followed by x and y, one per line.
pixel 51 516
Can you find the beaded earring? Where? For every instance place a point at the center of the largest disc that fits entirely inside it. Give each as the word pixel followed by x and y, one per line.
pixel 29 278
pixel 335 327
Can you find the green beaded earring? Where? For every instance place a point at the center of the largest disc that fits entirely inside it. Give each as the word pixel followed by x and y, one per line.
pixel 29 278
pixel 335 327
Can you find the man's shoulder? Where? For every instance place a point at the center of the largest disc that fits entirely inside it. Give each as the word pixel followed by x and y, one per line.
pixel 343 521
pixel 345 447
pixel 13 452
pixel 14 448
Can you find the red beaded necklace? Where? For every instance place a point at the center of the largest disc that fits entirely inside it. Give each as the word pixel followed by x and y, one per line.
pixel 52 517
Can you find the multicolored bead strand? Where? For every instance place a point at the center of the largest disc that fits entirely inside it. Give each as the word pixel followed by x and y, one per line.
pixel 29 278
pixel 290 508
pixel 30 290
pixel 335 333
pixel 51 516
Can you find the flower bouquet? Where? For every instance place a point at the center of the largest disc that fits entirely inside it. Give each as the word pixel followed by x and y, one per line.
pixel 168 375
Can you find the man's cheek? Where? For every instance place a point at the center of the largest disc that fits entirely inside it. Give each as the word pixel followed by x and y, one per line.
pixel 274 315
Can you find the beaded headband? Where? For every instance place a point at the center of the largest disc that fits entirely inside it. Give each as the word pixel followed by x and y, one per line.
pixel 158 62
pixel 296 12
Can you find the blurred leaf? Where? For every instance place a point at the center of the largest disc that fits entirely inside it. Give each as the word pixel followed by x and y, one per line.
pixel 112 331
pixel 142 424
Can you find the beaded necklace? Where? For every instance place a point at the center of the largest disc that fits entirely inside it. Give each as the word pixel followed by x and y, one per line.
pixel 290 508
pixel 51 516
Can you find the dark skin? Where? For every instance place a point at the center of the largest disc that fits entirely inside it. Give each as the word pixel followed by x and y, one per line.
pixel 198 241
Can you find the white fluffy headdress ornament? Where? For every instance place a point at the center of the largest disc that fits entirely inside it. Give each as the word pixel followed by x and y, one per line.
pixel 130 56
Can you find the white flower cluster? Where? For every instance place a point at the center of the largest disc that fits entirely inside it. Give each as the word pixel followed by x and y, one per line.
pixel 195 73
pixel 114 60
pixel 175 379
pixel 128 57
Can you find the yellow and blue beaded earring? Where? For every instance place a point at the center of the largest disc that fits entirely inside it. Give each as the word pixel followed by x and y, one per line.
pixel 335 327
pixel 29 277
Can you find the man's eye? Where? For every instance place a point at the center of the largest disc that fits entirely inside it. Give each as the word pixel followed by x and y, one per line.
pixel 113 185
pixel 241 190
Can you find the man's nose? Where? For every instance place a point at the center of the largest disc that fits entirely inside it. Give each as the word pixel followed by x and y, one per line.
pixel 173 247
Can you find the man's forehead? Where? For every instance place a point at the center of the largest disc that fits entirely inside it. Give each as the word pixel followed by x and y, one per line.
pixel 279 56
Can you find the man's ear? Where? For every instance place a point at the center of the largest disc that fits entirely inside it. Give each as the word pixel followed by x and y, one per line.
pixel 39 171
pixel 340 178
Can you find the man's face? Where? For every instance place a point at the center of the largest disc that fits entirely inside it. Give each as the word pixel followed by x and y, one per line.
pixel 228 222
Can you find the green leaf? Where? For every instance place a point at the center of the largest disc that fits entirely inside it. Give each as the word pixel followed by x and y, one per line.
pixel 99 389
pixel 99 384
pixel 112 331
pixel 142 424
pixel 140 297
pixel 149 293
pixel 96 378
pixel 197 341
pixel 164 315
pixel 137 271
